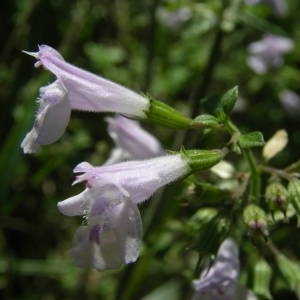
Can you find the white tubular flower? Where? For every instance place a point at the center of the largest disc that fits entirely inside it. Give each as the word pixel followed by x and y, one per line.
pixel 219 282
pixel 113 233
pixel 75 89
pixel 267 53
pixel 137 180
pixel 88 92
pixel 132 141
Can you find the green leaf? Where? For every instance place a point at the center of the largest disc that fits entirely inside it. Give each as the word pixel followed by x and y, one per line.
pixel 252 139
pixel 229 99
pixel 290 270
pixel 205 120
pixel 210 103
pixel 261 279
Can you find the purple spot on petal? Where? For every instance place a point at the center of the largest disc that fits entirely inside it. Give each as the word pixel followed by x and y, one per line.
pixel 100 206
pixel 95 234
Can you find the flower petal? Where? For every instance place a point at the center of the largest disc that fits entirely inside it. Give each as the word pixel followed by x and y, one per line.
pixel 52 118
pixel 133 139
pixel 77 205
pixel 110 243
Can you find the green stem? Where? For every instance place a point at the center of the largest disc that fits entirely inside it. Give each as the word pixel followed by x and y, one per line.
pixel 255 175
pixel 248 155
pixel 294 167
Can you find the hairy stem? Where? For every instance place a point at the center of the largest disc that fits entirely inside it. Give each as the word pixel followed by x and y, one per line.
pixel 255 185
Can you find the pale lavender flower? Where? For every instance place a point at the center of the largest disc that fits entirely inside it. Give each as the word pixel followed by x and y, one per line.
pixel 132 141
pixel 137 180
pixel 113 234
pixel 279 7
pixel 267 52
pixel 76 89
pixel 219 281
pixel 290 102
pixel 110 198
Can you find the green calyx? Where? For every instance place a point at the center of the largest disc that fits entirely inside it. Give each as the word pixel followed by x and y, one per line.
pixel 276 196
pixel 202 159
pixel 166 116
pixel 256 219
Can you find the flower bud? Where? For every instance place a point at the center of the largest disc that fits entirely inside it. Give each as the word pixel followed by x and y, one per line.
pixel 294 194
pixel 261 279
pixel 256 219
pixel 202 159
pixel 164 115
pixel 276 196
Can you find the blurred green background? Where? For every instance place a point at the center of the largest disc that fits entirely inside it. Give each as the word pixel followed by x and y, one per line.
pixel 144 45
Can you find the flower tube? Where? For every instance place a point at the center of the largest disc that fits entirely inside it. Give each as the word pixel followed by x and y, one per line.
pixel 132 141
pixel 137 180
pixel 88 92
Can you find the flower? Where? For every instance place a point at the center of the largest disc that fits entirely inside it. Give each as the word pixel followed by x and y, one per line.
pixel 137 180
pixel 75 89
pixel 113 232
pixel 290 102
pixel 267 52
pixel 132 141
pixel 112 236
pixel 220 280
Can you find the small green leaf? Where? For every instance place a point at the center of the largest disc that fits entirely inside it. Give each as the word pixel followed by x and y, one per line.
pixel 252 139
pixel 229 99
pixel 261 279
pixel 205 120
